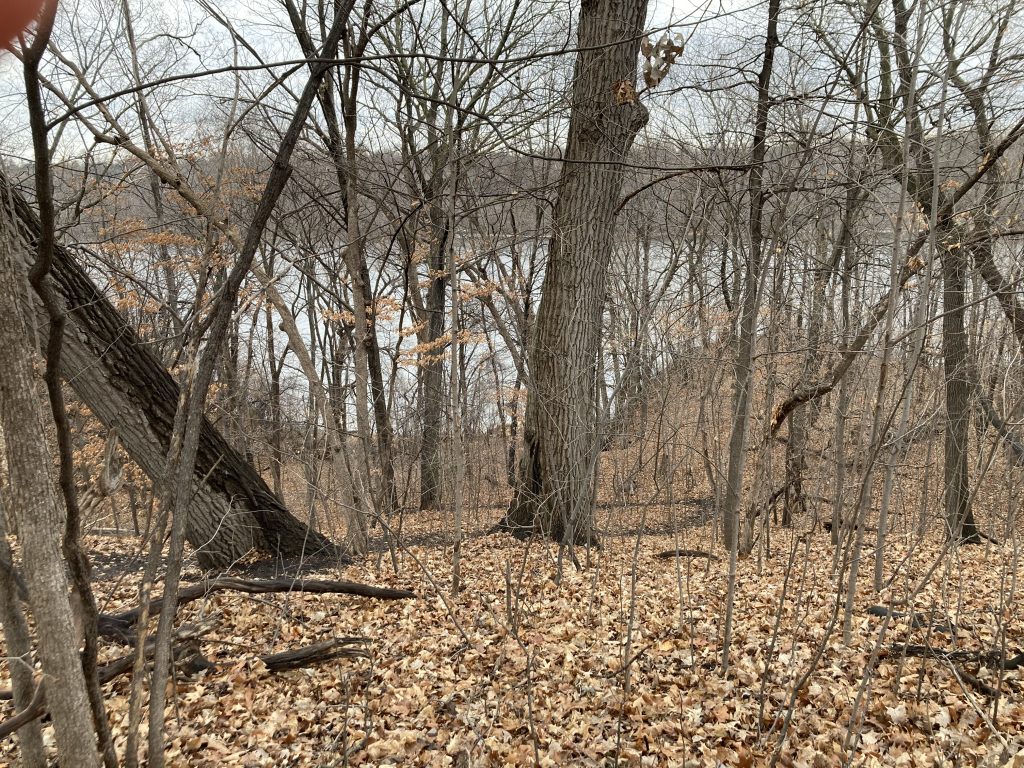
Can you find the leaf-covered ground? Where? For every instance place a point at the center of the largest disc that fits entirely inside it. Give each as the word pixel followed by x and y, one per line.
pixel 618 663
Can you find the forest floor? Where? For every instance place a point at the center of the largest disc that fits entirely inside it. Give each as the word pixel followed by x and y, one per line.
pixel 618 663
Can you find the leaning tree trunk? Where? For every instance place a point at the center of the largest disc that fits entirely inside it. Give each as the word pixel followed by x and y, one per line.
pixel 555 491
pixel 125 386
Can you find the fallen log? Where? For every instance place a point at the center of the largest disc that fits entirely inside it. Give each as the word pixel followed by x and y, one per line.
pixel 335 648
pixel 190 660
pixel 956 658
pixel 669 554
pixel 846 525
pixel 991 659
pixel 121 626
pixel 184 638
pixel 917 620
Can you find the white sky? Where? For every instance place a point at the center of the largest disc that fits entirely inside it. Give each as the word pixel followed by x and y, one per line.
pixel 260 21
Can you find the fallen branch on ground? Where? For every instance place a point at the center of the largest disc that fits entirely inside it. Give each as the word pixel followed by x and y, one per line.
pixel 36 708
pixel 982 686
pixel 121 626
pixel 917 620
pixel 336 648
pixel 184 638
pixel 991 659
pixel 671 553
pixel 190 660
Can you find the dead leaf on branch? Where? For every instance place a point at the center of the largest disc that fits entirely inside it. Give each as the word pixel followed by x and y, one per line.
pixel 659 57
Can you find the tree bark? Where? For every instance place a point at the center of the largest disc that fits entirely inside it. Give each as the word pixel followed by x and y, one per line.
pixel 431 394
pixel 803 419
pixel 959 515
pixel 19 650
pixel 925 184
pixel 125 386
pixel 555 491
pixel 31 496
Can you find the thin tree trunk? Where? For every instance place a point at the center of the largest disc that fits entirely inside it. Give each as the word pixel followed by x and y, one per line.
pixel 959 514
pixel 746 340
pixel 744 370
pixel 912 266
pixel 276 453
pixel 925 184
pixel 189 420
pixel 344 155
pixel 803 418
pixel 455 388
pixel 39 276
pixel 431 394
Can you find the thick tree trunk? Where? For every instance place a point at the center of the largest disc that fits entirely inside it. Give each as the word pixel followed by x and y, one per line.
pixel 19 647
pixel 555 491
pixel 34 502
pixel 125 386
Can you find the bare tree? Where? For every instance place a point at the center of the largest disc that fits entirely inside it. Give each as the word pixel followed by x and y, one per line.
pixel 555 493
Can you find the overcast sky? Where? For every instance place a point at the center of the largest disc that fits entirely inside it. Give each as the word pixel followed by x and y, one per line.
pixel 260 21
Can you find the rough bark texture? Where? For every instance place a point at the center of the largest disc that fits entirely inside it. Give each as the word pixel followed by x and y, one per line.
pixel 555 492
pixel 19 651
pixel 125 386
pixel 30 495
